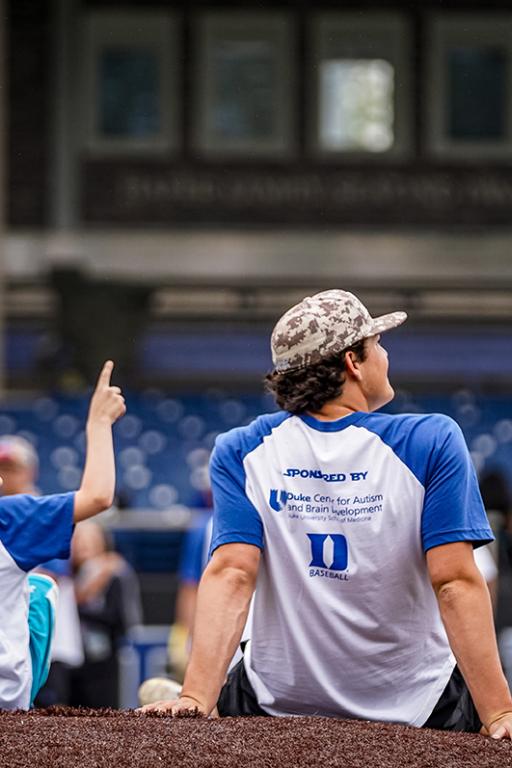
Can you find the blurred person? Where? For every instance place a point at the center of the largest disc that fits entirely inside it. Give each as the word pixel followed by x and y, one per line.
pixel 19 465
pixel 357 530
pixel 35 529
pixel 487 566
pixel 193 561
pixel 108 598
pixel 496 498
pixel 486 557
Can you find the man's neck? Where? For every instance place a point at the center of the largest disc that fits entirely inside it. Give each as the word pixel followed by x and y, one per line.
pixel 337 409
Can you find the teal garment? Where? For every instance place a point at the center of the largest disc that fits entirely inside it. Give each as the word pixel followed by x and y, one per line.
pixel 41 621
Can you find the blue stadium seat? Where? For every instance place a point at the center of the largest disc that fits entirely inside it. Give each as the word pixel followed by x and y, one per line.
pixel 163 443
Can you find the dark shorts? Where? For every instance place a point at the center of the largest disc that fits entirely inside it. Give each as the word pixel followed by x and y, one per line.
pixel 454 711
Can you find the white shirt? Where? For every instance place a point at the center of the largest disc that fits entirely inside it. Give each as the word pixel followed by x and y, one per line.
pixel 32 531
pixel 346 623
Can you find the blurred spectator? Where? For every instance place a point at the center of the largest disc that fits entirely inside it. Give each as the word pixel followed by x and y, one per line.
pixel 108 597
pixel 193 561
pixel 487 566
pixel 496 498
pixel 19 466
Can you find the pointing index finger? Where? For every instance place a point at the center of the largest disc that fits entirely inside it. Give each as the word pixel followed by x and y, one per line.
pixel 106 373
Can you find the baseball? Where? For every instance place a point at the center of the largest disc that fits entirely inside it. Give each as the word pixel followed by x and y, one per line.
pixel 158 689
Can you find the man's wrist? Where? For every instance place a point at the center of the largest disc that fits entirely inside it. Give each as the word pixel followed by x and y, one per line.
pixel 495 716
pixel 195 699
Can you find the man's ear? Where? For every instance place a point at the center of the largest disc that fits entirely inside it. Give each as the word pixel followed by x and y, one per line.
pixel 352 366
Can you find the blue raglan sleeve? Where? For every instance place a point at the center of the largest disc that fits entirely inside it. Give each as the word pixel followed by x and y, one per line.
pixel 235 518
pixel 453 509
pixel 36 529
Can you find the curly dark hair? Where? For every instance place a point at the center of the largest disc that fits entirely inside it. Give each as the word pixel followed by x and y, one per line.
pixel 309 388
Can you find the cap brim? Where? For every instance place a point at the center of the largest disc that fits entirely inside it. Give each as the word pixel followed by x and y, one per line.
pixel 387 322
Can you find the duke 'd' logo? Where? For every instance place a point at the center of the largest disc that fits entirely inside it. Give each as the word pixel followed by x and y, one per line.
pixel 319 542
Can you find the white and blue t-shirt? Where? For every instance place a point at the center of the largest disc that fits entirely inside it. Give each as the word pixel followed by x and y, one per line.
pixel 32 531
pixel 346 623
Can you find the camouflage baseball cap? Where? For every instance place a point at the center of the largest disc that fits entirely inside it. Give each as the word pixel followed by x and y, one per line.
pixel 323 324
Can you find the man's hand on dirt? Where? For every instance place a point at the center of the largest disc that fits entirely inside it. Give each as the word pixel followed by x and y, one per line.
pixel 158 706
pixel 184 706
pixel 501 728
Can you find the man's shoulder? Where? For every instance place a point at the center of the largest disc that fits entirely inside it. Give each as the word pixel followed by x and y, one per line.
pixel 416 438
pixel 424 424
pixel 244 440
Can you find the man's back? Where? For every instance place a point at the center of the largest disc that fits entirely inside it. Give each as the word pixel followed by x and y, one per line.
pixel 347 523
pixel 345 617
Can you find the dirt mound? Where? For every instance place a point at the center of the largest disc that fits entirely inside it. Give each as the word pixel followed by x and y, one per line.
pixel 65 738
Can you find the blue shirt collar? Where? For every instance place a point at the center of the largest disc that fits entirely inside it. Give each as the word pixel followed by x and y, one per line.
pixel 332 426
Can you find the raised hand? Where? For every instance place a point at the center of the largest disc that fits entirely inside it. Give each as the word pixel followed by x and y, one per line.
pixel 107 403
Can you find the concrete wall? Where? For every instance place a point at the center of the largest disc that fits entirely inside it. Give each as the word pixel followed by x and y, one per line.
pixel 391 259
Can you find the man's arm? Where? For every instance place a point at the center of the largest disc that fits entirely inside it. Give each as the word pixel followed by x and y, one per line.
pixel 467 616
pixel 223 600
pixel 96 491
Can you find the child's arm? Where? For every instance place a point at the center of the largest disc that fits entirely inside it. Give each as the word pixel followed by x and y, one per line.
pixel 96 492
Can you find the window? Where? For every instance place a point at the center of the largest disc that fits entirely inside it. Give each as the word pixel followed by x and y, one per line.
pixel 467 78
pixel 128 94
pixel 131 82
pixel 476 93
pixel 243 85
pixel 359 85
pixel 356 105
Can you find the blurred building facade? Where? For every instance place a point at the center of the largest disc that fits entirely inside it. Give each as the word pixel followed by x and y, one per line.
pixel 191 168
pixel 178 173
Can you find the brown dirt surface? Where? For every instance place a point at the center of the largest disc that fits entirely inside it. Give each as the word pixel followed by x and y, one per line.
pixel 65 738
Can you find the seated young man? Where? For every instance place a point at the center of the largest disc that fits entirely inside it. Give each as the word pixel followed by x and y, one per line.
pixel 36 529
pixel 357 530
